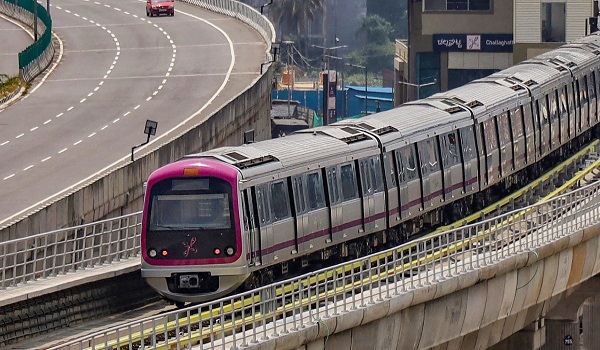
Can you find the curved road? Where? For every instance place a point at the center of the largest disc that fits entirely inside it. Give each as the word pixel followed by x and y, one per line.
pixel 117 68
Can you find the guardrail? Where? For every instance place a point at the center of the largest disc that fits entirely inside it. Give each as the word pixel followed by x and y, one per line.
pixel 37 56
pixel 304 301
pixel 244 13
pixel 68 250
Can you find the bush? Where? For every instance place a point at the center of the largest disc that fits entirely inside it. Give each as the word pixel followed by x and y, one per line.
pixel 8 85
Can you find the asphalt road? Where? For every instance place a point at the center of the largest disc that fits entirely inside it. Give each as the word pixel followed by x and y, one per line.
pixel 117 69
pixel 13 39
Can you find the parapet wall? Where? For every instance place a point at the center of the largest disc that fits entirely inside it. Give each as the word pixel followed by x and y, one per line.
pixel 474 310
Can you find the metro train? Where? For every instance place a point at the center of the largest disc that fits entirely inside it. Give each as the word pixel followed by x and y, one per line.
pixel 239 217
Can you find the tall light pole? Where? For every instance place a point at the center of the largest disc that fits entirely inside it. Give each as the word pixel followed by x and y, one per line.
pixel 366 82
pixel 289 43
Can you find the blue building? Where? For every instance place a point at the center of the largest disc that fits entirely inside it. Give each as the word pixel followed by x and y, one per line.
pixel 350 102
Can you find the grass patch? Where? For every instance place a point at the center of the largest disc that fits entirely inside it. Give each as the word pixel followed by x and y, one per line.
pixel 8 85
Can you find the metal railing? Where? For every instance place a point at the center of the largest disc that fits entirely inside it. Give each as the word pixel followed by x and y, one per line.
pixel 310 299
pixel 244 13
pixel 75 248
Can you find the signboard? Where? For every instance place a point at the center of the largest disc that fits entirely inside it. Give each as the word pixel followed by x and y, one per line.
pixel 332 91
pixel 568 340
pixel 473 42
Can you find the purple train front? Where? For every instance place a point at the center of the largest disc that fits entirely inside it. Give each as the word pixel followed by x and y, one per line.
pixel 191 238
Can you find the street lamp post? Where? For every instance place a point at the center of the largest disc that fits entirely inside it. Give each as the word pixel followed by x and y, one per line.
pixel 366 81
pixel 290 78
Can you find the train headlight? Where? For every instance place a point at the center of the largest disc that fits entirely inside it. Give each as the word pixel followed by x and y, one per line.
pixel 152 253
pixel 229 251
pixel 217 251
pixel 164 252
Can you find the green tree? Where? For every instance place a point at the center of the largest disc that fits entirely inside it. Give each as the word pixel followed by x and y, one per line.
pixel 394 12
pixel 379 51
pixel 295 15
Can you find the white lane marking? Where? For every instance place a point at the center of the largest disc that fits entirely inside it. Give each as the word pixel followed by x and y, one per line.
pixel 62 150
pixel 92 134
pixel 34 128
pixel 9 176
pixel 27 168
pixel 47 121
pixel 78 142
pixel 19 136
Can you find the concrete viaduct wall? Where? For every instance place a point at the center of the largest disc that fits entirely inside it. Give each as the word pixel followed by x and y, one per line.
pixel 472 311
pixel 120 190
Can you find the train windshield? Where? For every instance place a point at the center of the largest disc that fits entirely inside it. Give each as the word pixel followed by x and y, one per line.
pixel 183 207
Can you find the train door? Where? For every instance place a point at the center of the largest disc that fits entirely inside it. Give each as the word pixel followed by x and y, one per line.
pixel 431 177
pixel 530 141
pixel 541 116
pixel 409 184
pixel 518 144
pixel 317 232
pixel 469 157
pixel 391 177
pixel 492 153
pixel 574 105
pixel 373 198
pixel 281 218
pixel 574 128
pixel 452 166
pixel 505 139
pixel 553 120
pixel 563 110
pixel 264 221
pixel 351 206
pixel 583 103
pixel 335 202
pixel 251 229
pixel 301 208
pixel 591 83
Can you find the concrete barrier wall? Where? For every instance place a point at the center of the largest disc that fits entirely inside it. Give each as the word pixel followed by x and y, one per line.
pixel 472 311
pixel 119 190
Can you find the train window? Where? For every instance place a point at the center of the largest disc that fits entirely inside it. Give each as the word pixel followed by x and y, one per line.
pixel 563 107
pixel 348 182
pixel 377 173
pixel 504 129
pixel 583 90
pixel 407 168
pixel 517 122
pixel 543 111
pixel 467 139
pixel 429 156
pixel 315 193
pixel 280 200
pixel 366 179
pixel 332 185
pixel 391 169
pixel 298 189
pixel 246 217
pixel 262 201
pixel 449 148
pixel 553 106
pixel 491 139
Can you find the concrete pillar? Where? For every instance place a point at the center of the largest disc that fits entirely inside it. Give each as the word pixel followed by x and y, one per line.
pixel 591 323
pixel 562 334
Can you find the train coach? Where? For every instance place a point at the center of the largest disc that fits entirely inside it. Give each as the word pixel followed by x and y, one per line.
pixel 239 217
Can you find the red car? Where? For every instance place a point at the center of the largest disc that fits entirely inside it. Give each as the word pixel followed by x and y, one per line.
pixel 160 7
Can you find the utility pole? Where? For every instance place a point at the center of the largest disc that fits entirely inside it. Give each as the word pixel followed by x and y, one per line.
pixel 290 62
